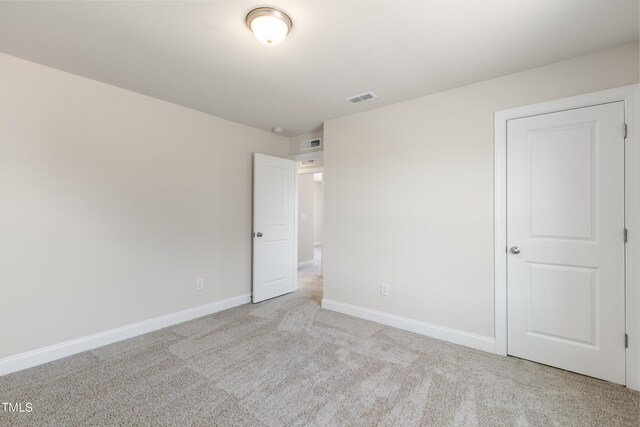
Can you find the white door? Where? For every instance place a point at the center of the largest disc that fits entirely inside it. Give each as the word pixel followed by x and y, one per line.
pixel 274 227
pixel 565 234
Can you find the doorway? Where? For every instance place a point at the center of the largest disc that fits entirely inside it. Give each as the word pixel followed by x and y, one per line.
pixel 564 205
pixel 310 201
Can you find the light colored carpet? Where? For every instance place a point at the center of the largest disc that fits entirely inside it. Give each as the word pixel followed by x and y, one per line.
pixel 288 362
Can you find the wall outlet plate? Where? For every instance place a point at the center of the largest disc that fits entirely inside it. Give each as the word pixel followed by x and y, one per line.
pixel 199 284
pixel 384 289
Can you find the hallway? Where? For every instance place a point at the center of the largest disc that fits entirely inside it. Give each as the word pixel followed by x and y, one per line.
pixel 310 277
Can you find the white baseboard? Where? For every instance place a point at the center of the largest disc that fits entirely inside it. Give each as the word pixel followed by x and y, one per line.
pixel 455 336
pixel 317 243
pixel 67 348
pixel 305 263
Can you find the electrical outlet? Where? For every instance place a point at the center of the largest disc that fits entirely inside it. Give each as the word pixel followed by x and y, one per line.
pixel 384 289
pixel 199 284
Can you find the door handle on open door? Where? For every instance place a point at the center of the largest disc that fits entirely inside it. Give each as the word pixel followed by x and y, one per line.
pixel 259 234
pixel 515 250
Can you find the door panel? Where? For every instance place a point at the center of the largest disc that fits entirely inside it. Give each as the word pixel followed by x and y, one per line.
pixel 567 291
pixel 274 243
pixel 565 213
pixel 561 196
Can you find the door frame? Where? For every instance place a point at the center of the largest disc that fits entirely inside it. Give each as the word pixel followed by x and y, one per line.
pixel 312 155
pixel 314 171
pixel 629 95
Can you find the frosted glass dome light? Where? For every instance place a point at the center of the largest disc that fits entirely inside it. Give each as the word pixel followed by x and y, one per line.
pixel 270 26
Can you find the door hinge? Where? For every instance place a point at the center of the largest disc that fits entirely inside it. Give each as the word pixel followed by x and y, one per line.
pixel 624 130
pixel 626 340
pixel 626 234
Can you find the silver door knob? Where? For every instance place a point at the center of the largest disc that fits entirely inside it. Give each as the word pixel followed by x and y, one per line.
pixel 515 250
pixel 260 235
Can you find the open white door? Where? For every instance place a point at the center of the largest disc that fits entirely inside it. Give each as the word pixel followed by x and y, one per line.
pixel 565 231
pixel 274 227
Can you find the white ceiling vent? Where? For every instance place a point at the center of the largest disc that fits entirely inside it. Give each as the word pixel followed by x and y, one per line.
pixel 310 144
pixel 362 97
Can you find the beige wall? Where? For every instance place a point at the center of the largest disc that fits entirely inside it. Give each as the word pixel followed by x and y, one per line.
pixel 112 204
pixel 409 192
pixel 305 217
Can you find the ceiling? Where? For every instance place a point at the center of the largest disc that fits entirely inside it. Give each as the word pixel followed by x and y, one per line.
pixel 201 55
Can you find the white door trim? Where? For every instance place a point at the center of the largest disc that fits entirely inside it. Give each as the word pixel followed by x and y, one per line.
pixel 630 96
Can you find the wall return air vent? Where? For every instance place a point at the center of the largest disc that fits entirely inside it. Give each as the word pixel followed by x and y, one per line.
pixel 310 144
pixel 362 97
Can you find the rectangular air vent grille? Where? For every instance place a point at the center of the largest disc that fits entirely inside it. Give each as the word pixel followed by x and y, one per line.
pixel 362 97
pixel 310 144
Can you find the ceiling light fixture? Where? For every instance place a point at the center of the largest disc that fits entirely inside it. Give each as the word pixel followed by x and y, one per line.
pixel 269 25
